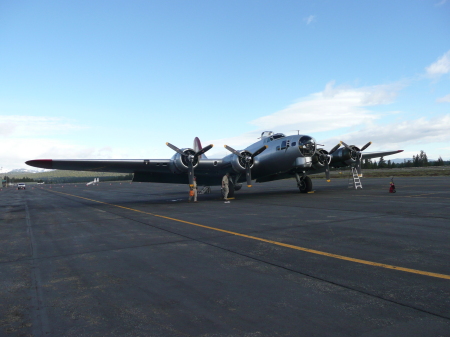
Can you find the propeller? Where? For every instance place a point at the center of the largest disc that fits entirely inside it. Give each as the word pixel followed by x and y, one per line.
pixel 191 159
pixel 247 160
pixel 325 158
pixel 357 154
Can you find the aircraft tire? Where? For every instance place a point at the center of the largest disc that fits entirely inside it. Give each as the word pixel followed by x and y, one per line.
pixel 305 185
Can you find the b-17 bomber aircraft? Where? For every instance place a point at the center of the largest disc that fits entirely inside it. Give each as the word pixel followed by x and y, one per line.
pixel 275 156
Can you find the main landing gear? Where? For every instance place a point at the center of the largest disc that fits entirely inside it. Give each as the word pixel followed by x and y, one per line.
pixel 304 183
pixel 231 189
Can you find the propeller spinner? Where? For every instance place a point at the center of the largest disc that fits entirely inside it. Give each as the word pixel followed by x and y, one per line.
pixel 191 158
pixel 247 159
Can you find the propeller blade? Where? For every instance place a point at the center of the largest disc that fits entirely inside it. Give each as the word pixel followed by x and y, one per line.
pixel 206 148
pixel 366 146
pixel 348 147
pixel 358 165
pixel 233 151
pixel 259 151
pixel 191 173
pixel 173 147
pixel 327 169
pixel 248 175
pixel 335 148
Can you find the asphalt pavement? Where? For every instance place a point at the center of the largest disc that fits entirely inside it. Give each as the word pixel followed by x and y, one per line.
pixel 121 259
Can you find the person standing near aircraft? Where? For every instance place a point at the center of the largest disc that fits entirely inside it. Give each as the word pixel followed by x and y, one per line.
pixel 193 191
pixel 225 183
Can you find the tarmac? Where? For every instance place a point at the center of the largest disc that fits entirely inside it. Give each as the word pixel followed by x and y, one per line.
pixel 137 259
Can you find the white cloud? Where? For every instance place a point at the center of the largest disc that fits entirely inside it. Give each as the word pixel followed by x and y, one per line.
pixel 398 134
pixel 446 98
pixel 346 111
pixel 440 67
pixel 310 19
pixel 30 126
pixel 16 151
pixel 440 3
pixel 332 109
pixel 35 137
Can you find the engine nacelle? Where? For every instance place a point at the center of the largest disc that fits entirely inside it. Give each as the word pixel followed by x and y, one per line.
pixel 344 157
pixel 180 163
pixel 319 158
pixel 238 163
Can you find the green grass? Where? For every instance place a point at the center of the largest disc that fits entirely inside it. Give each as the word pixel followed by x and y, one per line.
pixel 429 171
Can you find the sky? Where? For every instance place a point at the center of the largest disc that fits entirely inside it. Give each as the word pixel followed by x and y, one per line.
pixel 118 79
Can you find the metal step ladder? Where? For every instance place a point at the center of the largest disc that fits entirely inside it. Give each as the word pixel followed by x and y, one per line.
pixel 353 179
pixel 205 190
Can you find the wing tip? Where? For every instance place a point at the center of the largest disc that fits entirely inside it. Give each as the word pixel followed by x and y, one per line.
pixel 41 163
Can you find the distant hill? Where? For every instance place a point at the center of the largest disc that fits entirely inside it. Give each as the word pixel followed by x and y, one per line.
pixel 23 170
pixel 63 176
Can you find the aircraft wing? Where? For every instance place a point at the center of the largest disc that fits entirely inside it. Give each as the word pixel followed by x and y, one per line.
pixel 103 165
pixel 369 155
pixel 209 172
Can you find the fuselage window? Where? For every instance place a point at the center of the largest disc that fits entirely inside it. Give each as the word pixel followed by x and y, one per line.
pixel 283 144
pixel 278 148
pixel 293 143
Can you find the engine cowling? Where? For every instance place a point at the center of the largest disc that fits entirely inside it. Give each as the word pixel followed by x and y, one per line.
pixel 319 158
pixel 344 157
pixel 238 163
pixel 179 163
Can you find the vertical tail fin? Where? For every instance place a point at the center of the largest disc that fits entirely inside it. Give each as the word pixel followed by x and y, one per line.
pixel 197 147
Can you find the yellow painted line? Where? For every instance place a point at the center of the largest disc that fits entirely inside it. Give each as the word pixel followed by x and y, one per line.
pixel 422 195
pixel 399 196
pixel 313 251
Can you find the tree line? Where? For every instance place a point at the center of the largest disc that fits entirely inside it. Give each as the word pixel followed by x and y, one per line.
pixel 419 160
pixel 64 180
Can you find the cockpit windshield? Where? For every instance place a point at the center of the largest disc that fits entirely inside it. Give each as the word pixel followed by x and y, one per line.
pixel 307 146
pixel 274 136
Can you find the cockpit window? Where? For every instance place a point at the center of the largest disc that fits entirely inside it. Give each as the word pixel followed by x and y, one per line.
pixel 307 146
pixel 278 135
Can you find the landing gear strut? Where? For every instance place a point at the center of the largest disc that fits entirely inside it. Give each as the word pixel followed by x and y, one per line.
pixel 304 183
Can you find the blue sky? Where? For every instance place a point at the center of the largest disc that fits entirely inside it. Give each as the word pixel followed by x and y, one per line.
pixel 118 79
